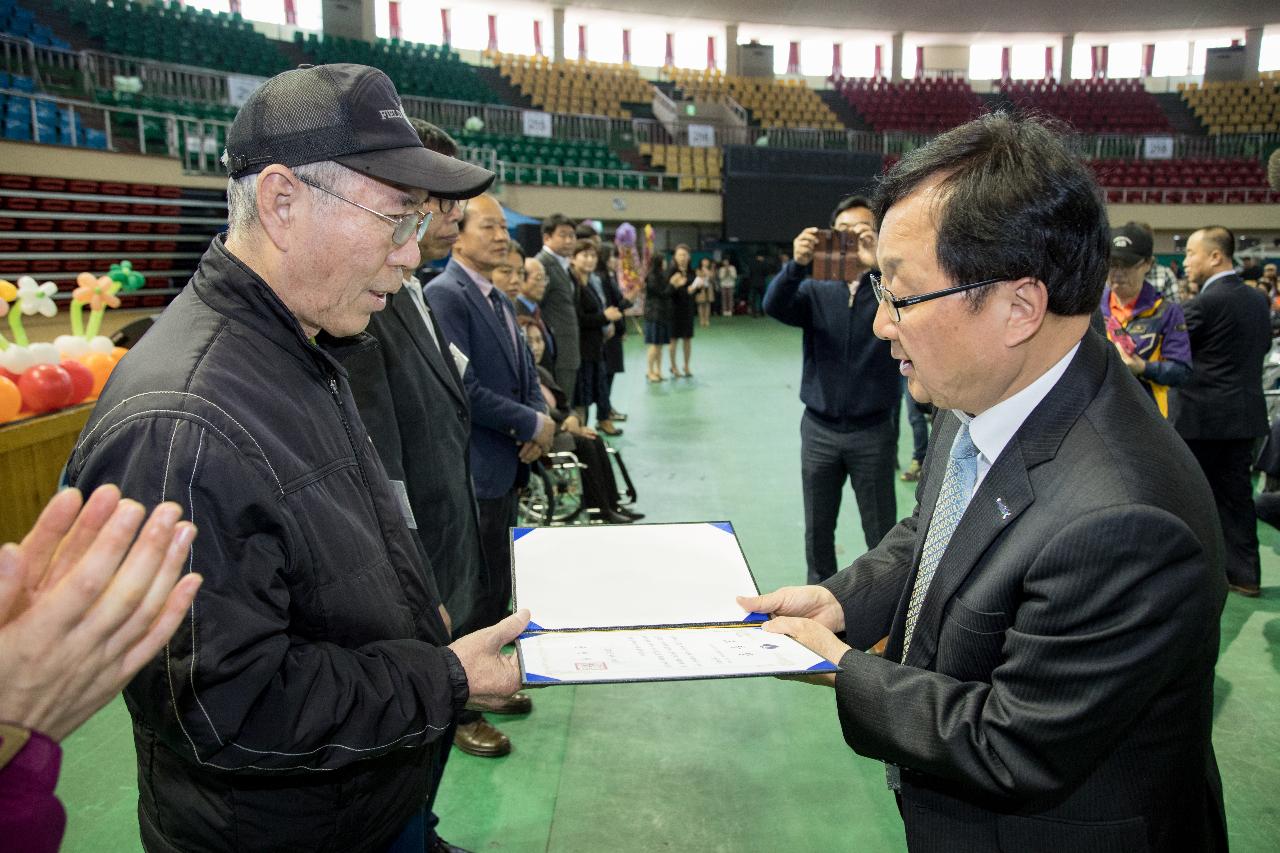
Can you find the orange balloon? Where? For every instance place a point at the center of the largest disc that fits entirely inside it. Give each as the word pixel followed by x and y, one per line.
pixel 118 353
pixel 10 400
pixel 100 365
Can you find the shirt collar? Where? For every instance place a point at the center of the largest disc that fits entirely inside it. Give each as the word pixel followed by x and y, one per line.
pixel 1215 277
pixel 527 302
pixel 992 430
pixel 485 286
pixel 561 260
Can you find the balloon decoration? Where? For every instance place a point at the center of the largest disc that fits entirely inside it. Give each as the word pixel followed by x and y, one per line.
pixel 633 261
pixel 43 377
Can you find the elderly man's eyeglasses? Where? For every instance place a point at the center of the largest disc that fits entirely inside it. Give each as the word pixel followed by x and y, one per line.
pixel 405 225
pixel 897 304
pixel 447 205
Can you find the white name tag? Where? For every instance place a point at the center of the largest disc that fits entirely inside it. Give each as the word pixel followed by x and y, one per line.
pixel 402 495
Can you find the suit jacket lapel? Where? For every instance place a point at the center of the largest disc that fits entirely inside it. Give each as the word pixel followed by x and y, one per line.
pixel 491 319
pixel 1004 494
pixel 406 312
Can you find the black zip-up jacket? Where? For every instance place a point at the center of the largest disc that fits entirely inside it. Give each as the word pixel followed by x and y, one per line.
pixel 301 705
pixel 850 379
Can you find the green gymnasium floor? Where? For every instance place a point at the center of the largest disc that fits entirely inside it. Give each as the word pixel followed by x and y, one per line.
pixel 737 765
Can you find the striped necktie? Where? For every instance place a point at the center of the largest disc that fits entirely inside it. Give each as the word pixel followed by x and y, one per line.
pixel 957 488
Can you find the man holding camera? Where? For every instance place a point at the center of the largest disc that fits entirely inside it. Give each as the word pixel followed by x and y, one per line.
pixel 850 384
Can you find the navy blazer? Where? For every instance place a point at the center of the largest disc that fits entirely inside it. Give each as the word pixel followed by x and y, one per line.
pixel 501 381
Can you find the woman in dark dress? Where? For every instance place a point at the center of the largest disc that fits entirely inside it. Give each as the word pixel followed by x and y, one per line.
pixel 682 308
pixel 657 316
pixel 595 323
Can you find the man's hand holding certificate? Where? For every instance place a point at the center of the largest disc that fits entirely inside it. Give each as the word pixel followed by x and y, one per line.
pixel 669 604
pixel 808 614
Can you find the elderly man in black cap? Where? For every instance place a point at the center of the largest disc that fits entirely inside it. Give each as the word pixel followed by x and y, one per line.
pixel 301 705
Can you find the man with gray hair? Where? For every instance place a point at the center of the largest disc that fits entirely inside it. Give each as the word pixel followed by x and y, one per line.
pixel 302 704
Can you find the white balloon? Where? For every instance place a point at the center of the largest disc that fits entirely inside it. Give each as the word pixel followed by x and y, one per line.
pixel 101 344
pixel 71 346
pixel 16 359
pixel 45 354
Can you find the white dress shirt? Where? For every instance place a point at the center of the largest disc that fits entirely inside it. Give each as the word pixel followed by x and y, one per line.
pixel 992 430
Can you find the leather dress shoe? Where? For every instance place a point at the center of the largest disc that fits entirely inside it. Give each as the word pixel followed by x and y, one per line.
pixel 439 845
pixel 1248 590
pixel 607 428
pixel 612 516
pixel 482 739
pixel 629 513
pixel 516 703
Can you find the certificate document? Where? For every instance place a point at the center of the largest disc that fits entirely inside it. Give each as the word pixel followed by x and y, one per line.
pixel 642 602
pixel 662 655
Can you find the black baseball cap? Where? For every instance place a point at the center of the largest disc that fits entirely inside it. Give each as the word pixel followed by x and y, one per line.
pixel 1130 244
pixel 348 113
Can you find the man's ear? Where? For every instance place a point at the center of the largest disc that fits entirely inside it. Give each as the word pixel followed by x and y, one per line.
pixel 279 193
pixel 1028 304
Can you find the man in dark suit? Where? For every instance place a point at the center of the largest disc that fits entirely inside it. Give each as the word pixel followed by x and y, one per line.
pixel 560 302
pixel 1221 411
pixel 509 424
pixel 1052 603
pixel 529 304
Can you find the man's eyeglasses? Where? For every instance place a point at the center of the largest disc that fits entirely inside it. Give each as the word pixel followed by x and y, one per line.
pixel 897 304
pixel 405 225
pixel 447 205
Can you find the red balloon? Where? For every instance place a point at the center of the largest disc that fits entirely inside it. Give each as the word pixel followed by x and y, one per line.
pixel 45 387
pixel 81 380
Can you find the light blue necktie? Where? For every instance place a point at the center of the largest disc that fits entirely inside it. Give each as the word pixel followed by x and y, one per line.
pixel 957 488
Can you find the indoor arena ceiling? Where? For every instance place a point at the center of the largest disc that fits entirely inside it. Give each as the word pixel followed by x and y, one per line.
pixel 966 16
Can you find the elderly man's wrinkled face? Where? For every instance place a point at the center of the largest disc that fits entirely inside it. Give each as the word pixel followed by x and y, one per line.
pixel 534 285
pixel 352 263
pixel 483 241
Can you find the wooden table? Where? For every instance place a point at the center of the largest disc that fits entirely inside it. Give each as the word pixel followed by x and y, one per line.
pixel 33 452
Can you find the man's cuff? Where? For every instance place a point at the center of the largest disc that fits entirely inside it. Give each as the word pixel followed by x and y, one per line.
pixel 457 680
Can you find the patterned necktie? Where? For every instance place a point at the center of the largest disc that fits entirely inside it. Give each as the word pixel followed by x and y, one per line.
pixel 957 488
pixel 495 299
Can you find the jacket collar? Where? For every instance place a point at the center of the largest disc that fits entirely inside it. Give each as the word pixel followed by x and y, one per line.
pixel 228 286
pixel 1003 495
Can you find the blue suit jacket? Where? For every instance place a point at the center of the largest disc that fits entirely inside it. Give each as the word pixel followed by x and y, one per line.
pixel 501 380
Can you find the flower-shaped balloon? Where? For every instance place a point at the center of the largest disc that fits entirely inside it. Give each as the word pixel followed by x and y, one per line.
pixel 98 293
pixel 8 293
pixel 36 298
pixel 123 275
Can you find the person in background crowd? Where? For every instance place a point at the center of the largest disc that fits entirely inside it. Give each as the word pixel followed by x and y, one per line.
pixel 1162 278
pixel 228 407
pixel 599 489
pixel 728 279
pixel 509 276
pixel 1147 328
pixel 1249 268
pixel 850 386
pixel 703 289
pixel 595 323
pixel 1220 411
pixel 1269 280
pixel 83 607
pixel 614 352
pixel 657 316
pixel 560 303
pixel 759 274
pixel 681 276
pixel 529 304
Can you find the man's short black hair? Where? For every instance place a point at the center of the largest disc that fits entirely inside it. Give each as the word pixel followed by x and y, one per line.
pixel 849 202
pixel 554 221
pixel 435 138
pixel 1221 238
pixel 1013 202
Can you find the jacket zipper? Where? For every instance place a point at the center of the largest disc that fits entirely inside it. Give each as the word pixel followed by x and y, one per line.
pixel 346 425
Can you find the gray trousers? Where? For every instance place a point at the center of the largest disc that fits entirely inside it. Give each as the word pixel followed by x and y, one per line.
pixel 827 459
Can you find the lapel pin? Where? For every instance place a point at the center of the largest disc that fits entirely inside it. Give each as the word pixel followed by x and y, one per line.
pixel 1004 510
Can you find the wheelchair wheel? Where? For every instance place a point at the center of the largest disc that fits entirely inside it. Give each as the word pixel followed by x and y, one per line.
pixel 537 504
pixel 566 488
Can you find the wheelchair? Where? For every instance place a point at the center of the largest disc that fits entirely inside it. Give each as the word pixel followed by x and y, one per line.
pixel 554 493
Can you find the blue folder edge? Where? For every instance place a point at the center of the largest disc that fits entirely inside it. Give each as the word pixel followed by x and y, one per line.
pixel 726 526
pixel 531 678
pixel 823 666
pixel 520 532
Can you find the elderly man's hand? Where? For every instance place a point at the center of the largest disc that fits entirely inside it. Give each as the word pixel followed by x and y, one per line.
pixel 802 248
pixel 490 673
pixel 806 602
pixel 529 452
pixel 816 638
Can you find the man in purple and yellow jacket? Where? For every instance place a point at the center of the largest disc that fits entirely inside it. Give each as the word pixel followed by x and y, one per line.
pixel 1148 330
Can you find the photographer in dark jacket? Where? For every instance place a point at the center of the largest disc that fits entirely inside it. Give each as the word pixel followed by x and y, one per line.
pixel 302 703
pixel 850 388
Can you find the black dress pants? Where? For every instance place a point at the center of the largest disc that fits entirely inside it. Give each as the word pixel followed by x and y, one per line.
pixel 1226 465
pixel 497 517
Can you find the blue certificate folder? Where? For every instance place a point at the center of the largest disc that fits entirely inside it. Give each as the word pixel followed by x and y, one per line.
pixel 642 602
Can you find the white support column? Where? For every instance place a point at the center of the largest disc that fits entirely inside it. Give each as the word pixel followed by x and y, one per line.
pixel 1252 52
pixel 1068 48
pixel 731 49
pixel 896 75
pixel 557 33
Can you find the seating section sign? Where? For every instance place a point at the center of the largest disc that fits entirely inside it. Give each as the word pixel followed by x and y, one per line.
pixel 702 136
pixel 536 123
pixel 1157 147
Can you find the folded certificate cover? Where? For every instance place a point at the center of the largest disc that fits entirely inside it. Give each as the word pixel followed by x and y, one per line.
pixel 642 602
